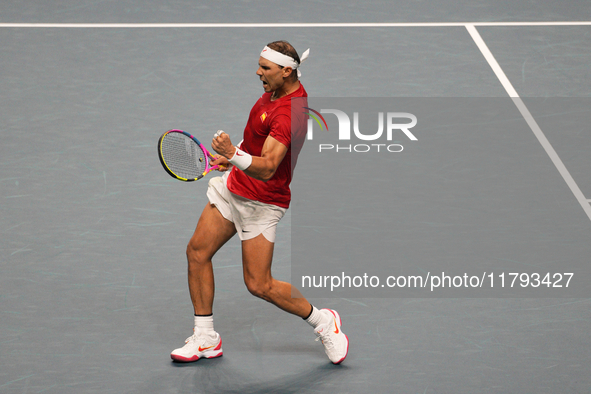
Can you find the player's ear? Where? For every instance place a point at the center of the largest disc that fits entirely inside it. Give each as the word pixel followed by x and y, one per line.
pixel 287 71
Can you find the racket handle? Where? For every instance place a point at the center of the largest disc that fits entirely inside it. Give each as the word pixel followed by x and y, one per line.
pixel 211 169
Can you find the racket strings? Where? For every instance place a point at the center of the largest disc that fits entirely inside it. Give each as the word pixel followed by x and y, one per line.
pixel 183 156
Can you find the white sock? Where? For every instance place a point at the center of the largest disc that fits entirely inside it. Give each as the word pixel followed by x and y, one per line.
pixel 317 318
pixel 204 324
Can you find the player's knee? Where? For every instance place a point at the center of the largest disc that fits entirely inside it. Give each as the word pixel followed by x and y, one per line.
pixel 258 288
pixel 195 255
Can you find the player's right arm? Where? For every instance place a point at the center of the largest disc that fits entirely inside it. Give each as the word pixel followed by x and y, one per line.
pixel 222 163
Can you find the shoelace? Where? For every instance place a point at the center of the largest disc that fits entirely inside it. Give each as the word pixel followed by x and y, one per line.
pixel 191 338
pixel 324 336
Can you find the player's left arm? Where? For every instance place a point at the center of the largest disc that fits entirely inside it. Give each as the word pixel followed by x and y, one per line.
pixel 262 167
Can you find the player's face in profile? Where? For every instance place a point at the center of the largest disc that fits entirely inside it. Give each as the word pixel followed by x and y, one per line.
pixel 270 74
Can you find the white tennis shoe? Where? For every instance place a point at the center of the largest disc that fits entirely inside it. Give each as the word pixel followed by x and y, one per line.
pixel 198 346
pixel 336 343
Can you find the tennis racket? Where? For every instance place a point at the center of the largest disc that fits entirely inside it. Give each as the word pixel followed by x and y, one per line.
pixel 183 156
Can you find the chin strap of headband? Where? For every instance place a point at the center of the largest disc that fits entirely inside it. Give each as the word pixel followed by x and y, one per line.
pixel 284 60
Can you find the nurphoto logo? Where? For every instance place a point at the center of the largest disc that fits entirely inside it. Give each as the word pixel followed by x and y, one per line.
pixel 397 124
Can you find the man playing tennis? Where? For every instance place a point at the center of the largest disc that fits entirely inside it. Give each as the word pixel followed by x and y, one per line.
pixel 250 199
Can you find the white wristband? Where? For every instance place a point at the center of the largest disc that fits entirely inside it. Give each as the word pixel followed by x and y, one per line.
pixel 241 159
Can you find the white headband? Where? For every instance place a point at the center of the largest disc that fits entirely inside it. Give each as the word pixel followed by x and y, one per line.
pixel 284 60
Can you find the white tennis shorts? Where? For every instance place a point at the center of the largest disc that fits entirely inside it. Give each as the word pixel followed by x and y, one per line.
pixel 251 218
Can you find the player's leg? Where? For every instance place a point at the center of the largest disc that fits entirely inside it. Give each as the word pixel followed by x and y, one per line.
pixel 257 255
pixel 211 233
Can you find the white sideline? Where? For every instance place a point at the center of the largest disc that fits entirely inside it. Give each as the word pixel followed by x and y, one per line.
pixel 298 25
pixel 535 128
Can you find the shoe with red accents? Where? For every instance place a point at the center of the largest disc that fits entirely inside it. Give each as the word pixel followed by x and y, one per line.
pixel 198 346
pixel 336 343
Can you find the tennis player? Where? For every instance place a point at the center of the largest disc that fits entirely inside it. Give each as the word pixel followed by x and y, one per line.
pixel 250 199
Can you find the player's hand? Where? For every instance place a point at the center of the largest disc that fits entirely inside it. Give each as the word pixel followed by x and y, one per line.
pixel 222 162
pixel 221 144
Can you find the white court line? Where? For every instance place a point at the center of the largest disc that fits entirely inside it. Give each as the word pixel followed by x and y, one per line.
pixel 298 25
pixel 535 128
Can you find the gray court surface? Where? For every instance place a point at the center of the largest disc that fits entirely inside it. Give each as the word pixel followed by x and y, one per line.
pixel 93 293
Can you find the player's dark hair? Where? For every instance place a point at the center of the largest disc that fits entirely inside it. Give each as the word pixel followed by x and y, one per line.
pixel 286 48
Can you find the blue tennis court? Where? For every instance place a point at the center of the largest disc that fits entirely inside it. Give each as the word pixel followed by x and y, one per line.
pixel 93 292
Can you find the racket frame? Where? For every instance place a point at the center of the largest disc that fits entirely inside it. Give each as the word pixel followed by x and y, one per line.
pixel 207 156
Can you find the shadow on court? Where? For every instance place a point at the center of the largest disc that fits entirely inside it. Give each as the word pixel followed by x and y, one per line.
pixel 220 376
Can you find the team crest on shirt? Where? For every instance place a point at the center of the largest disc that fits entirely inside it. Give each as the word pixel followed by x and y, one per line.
pixel 263 116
